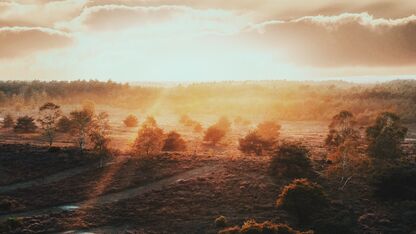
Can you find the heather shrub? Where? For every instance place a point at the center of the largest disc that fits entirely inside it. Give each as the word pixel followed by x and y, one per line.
pixel 230 230
pixel 131 121
pixel 174 142
pixel 213 135
pixel 386 136
pixel 269 130
pixel 25 124
pixel 395 183
pixel 252 227
pixel 335 221
pixel 291 160
pixel 253 143
pixel 302 199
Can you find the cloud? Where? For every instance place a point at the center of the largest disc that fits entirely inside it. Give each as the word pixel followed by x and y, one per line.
pixel 39 13
pixel 22 41
pixel 168 18
pixel 342 40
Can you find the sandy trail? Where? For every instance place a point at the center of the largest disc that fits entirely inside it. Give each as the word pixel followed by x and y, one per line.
pixel 124 194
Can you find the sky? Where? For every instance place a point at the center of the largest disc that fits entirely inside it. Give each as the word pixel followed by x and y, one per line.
pixel 207 40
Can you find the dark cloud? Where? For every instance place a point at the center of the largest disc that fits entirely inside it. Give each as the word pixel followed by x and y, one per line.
pixel 343 40
pixel 21 41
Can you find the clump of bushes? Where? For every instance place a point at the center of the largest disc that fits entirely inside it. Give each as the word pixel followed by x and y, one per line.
pixel 25 124
pixel 302 199
pixel 342 128
pixel 131 121
pixel 396 183
pixel 253 143
pixel 291 160
pixel 386 136
pixel 253 227
pixel 174 142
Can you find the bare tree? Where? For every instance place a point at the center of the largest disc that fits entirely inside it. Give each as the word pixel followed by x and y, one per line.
pixel 49 114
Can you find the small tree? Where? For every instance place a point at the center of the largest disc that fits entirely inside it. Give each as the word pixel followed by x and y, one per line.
pixel 213 135
pixel 253 143
pixel 25 124
pixel 174 142
pixel 100 132
pixel 149 138
pixel 291 160
pixel 302 199
pixel 8 121
pixel 343 140
pixel 81 125
pixel 131 121
pixel 64 124
pixel 385 136
pixel 49 114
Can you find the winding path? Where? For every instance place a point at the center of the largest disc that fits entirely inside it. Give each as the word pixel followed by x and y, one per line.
pixel 125 194
pixel 52 178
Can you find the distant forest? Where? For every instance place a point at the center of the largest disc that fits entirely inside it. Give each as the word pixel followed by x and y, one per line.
pixel 284 100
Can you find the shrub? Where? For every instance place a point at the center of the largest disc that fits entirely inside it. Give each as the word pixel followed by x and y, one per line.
pixel 213 135
pixel 221 222
pixel 269 130
pixel 25 124
pixel 253 143
pixel 64 125
pixel 335 221
pixel 8 121
pixel 291 160
pixel 174 142
pixel 302 199
pixel 149 138
pixel 386 136
pixel 131 121
pixel 396 183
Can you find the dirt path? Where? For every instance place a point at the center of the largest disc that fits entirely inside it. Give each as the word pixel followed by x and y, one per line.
pixel 125 194
pixel 54 177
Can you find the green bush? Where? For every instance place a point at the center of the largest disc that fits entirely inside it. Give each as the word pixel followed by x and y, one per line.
pixel 291 160
pixel 302 199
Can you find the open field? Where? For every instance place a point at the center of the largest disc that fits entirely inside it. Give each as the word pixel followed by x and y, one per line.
pixel 171 193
